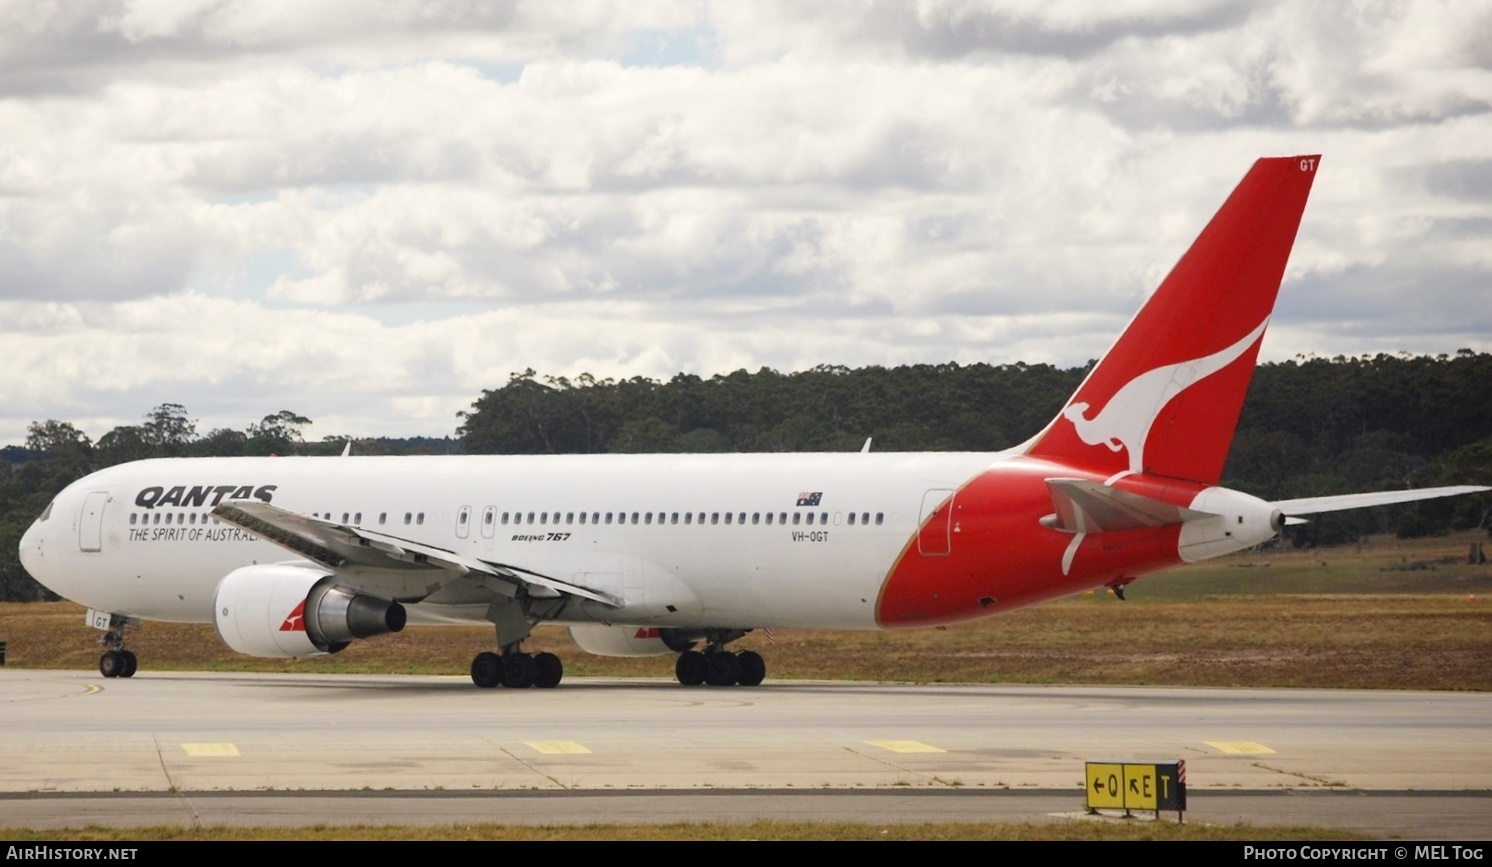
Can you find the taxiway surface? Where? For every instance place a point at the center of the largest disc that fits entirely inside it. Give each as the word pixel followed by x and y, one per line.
pixel 209 748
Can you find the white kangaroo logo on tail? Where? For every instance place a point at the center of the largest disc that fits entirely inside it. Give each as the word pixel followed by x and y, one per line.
pixel 1125 420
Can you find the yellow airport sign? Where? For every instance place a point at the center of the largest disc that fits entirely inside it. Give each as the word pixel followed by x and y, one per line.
pixel 1105 786
pixel 1128 785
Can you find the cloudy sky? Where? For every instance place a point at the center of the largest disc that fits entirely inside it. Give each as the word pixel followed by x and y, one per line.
pixel 368 212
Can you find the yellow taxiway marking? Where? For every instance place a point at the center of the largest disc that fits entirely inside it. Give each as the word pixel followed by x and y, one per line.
pixel 557 748
pixel 906 746
pixel 210 750
pixel 1240 748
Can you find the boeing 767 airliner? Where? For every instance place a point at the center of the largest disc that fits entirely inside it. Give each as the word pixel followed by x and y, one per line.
pixel 684 554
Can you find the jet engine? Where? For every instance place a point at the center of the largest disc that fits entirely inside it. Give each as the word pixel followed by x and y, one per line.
pixel 287 610
pixel 604 639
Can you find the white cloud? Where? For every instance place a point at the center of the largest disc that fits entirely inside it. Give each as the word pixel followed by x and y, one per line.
pixel 369 212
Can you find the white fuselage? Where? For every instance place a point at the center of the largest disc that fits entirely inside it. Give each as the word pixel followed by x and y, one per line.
pixel 684 539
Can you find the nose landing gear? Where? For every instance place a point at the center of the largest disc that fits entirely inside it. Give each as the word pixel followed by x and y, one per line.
pixel 116 661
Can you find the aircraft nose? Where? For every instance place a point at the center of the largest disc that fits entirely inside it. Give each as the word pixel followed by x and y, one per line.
pixel 32 551
pixel 30 541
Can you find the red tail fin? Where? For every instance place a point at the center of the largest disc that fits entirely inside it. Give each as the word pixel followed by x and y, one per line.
pixel 1165 399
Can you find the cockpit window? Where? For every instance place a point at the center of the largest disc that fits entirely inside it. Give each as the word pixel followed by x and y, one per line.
pixel 46 513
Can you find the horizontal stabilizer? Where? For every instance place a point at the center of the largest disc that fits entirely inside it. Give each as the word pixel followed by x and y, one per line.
pixel 1084 506
pixel 1340 502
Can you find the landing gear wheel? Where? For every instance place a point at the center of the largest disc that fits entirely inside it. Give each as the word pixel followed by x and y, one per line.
pixel 548 670
pixel 722 668
pixel 690 669
pixel 131 664
pixel 111 663
pixel 753 668
pixel 519 671
pixel 487 670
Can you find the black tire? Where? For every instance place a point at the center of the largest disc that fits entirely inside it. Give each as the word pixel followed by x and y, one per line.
pixel 519 671
pixel 690 668
pixel 131 664
pixel 487 670
pixel 549 670
pixel 753 668
pixel 722 669
pixel 110 663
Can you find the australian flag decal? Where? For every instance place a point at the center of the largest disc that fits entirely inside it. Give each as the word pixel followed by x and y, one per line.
pixel 810 499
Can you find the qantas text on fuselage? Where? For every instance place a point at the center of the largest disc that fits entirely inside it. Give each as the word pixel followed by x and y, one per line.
pixel 198 496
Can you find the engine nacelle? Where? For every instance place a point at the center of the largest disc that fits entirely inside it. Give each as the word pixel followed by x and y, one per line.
pixel 286 611
pixel 604 639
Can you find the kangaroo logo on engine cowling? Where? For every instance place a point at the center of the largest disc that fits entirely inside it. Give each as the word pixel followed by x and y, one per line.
pixel 198 496
pixel 296 621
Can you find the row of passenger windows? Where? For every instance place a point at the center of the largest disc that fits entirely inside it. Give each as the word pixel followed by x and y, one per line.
pixel 166 517
pixel 491 516
pixel 768 518
pixel 156 518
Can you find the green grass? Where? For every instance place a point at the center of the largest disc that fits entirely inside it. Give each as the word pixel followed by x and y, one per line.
pixel 1382 564
pixel 1392 615
pixel 758 830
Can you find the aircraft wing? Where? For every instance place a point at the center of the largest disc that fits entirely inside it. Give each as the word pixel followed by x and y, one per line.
pixel 1084 506
pixel 1317 505
pixel 350 549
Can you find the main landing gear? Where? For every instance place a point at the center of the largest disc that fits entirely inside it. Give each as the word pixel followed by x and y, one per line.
pixel 116 661
pixel 516 670
pixel 717 666
pixel 513 668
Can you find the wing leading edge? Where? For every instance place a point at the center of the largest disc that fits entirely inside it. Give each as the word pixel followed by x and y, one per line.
pixel 353 550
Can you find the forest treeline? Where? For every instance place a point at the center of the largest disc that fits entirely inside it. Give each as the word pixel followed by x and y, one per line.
pixel 1309 426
